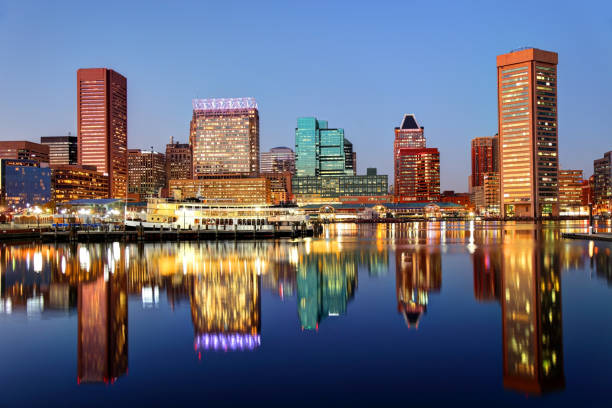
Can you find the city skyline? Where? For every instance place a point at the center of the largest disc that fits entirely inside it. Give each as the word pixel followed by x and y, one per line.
pixel 283 93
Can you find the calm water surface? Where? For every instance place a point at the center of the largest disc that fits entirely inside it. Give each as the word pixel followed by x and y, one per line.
pixel 428 314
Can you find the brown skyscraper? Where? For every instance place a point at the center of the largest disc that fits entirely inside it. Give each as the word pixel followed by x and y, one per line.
pixel 527 101
pixel 102 125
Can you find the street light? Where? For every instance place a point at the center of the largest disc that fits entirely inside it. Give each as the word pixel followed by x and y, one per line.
pixel 37 211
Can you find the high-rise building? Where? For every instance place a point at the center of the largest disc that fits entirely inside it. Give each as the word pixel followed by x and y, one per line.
pixel 277 160
pixel 102 125
pixel 146 173
pixel 602 182
pixel 409 134
pixel 24 182
pixel 570 192
pixel 527 117
pixel 485 158
pixel 350 157
pixel 74 182
pixel 62 149
pixel 417 174
pixel 178 161
pixel 22 150
pixel 320 150
pixel 416 167
pixel 224 137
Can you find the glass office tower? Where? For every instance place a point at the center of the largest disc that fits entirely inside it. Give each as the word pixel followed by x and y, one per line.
pixel 319 150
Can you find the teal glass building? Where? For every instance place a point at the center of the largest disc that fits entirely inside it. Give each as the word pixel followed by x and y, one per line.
pixel 320 150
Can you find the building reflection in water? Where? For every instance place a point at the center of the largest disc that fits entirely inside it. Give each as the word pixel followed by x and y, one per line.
pixel 531 315
pixel 103 326
pixel 486 262
pixel 418 272
pixel 226 306
pixel 56 280
pixel 326 281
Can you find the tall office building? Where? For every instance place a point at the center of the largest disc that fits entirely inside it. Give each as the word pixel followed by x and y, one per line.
pixel 62 149
pixel 225 137
pixel 178 161
pixel 326 164
pixel 417 175
pixel 320 150
pixel 570 192
pixel 22 150
pixel 102 125
pixel 146 173
pixel 527 117
pixel 409 134
pixel 602 182
pixel 416 167
pixel 277 160
pixel 350 157
pixel 485 158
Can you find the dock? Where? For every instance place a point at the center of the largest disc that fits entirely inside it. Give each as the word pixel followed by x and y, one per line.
pixel 144 235
pixel 590 237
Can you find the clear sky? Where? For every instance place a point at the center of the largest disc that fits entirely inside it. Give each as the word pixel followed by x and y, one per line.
pixel 359 65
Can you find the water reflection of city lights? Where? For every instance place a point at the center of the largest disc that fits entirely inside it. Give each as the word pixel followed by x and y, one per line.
pixel 84 258
pixel 37 262
pixel 116 251
pixel 227 341
pixel 63 265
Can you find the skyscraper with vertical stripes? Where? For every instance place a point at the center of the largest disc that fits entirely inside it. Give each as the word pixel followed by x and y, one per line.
pixel 102 125
pixel 527 117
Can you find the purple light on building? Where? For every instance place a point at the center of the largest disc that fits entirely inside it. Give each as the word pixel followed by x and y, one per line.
pixel 222 104
pixel 227 341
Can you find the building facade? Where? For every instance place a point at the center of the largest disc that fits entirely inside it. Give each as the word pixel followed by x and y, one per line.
pixel 178 161
pixel 409 135
pixel 570 192
pixel 224 137
pixel 22 150
pixel 528 138
pixel 74 182
pixel 277 160
pixel 417 175
pixel 320 150
pixel 102 125
pixel 312 188
pixel 24 182
pixel 62 149
pixel 224 190
pixel 602 183
pixel 146 173
pixel 280 186
pixel 485 158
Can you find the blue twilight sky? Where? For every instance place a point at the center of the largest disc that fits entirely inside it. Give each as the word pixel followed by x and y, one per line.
pixel 359 64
